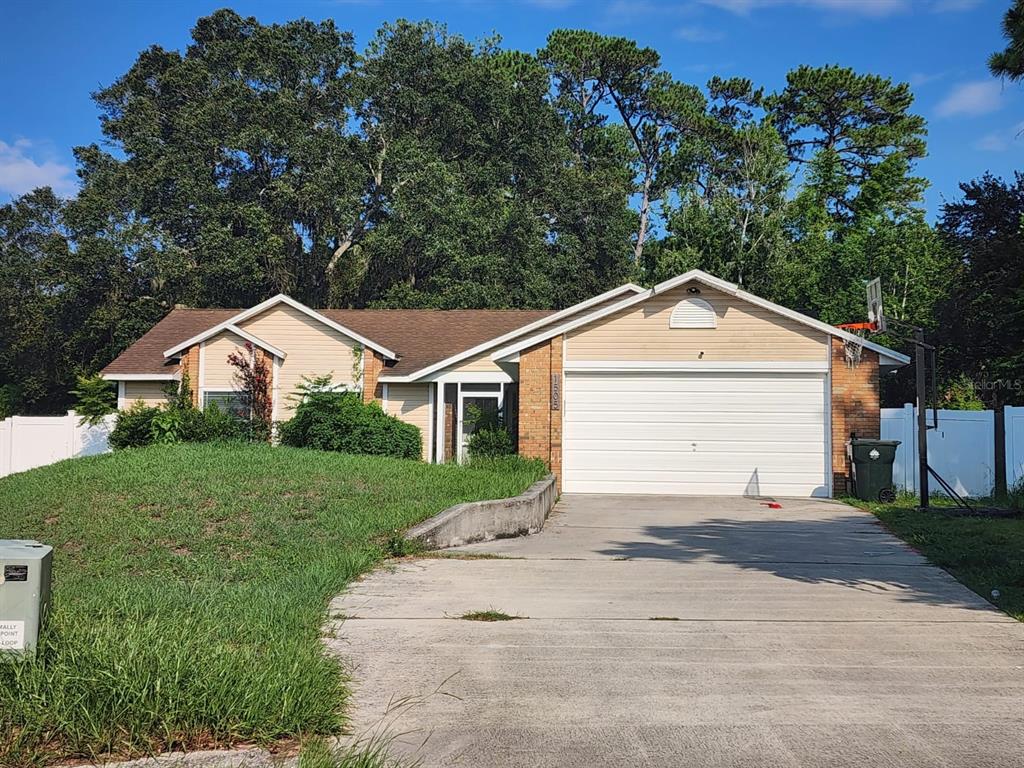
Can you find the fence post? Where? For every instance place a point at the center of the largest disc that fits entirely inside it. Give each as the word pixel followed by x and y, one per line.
pixel 999 423
pixel 909 465
pixel 6 428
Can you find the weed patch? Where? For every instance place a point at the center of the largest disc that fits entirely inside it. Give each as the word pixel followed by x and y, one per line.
pixel 190 585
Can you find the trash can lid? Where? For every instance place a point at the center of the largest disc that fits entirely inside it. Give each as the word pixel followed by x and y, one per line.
pixel 869 441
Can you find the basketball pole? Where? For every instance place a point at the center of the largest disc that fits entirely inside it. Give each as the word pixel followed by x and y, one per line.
pixel 922 416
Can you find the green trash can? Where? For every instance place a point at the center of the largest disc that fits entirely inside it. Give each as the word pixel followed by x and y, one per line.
pixel 872 462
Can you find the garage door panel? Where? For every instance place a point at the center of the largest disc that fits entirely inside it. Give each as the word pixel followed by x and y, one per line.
pixel 651 416
pixel 768 452
pixel 698 382
pixel 700 432
pixel 695 433
pixel 692 487
pixel 705 461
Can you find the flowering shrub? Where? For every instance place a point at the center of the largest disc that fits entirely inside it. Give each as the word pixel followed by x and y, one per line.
pixel 253 377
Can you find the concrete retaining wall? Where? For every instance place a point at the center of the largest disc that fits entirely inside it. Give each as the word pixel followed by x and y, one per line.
pixel 486 520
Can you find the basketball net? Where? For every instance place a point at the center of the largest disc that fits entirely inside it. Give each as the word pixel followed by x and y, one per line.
pixel 853 350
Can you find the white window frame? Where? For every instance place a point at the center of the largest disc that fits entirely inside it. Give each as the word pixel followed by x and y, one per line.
pixel 216 391
pixel 498 394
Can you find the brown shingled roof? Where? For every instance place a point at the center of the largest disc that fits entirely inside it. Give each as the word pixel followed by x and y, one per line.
pixel 420 337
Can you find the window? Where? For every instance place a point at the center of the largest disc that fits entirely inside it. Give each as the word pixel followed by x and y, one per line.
pixel 228 401
pixel 693 313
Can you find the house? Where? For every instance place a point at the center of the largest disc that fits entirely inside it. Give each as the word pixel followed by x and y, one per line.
pixel 691 387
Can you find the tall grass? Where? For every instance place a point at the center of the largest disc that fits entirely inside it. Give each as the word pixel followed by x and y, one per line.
pixel 190 584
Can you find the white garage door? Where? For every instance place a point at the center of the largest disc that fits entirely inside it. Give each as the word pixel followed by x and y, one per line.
pixel 695 433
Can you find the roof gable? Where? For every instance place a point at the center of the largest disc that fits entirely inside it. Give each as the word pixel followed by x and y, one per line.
pixel 268 304
pixel 694 275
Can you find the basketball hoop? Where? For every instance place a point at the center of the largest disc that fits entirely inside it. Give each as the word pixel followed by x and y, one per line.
pixel 853 349
pixel 854 346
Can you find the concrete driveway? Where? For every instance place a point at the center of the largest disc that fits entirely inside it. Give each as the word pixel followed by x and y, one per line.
pixel 667 631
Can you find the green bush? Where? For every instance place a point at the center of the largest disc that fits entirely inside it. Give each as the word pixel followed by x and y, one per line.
pixel 95 397
pixel 341 421
pixel 134 427
pixel 490 441
pixel 140 425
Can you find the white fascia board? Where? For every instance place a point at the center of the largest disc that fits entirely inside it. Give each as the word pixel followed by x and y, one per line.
pixel 712 282
pixel 140 376
pixel 669 366
pixel 630 288
pixel 281 298
pixel 256 341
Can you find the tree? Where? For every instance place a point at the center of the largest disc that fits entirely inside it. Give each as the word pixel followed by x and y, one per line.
pixel 659 114
pixel 855 137
pixel 72 295
pixel 1009 62
pixel 729 215
pixel 983 320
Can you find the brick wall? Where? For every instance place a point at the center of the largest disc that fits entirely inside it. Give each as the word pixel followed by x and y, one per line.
pixel 540 426
pixel 190 366
pixel 855 408
pixel 373 364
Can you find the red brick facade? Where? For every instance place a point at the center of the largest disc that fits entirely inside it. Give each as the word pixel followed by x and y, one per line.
pixel 855 408
pixel 373 364
pixel 540 404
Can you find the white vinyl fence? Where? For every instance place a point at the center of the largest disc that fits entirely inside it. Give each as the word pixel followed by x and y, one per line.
pixel 27 442
pixel 961 450
pixel 1014 447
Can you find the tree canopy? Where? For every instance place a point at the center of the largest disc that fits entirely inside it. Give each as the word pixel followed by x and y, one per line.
pixel 425 170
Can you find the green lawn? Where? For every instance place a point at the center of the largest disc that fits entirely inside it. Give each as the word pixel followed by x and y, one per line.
pixel 985 554
pixel 191 582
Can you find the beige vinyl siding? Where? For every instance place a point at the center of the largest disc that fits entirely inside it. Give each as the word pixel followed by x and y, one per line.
pixel 411 404
pixel 482 363
pixel 311 349
pixel 745 333
pixel 149 392
pixel 217 374
pixel 476 364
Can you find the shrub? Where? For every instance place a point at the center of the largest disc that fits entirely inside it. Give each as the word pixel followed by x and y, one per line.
pixel 340 421
pixel 95 397
pixel 134 426
pixel 490 441
pixel 141 425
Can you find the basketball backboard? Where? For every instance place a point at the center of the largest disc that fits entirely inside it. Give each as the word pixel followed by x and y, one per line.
pixel 875 313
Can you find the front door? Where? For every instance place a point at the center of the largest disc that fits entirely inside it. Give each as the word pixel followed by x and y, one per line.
pixel 479 405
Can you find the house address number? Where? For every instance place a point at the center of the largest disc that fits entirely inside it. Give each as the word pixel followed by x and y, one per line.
pixel 556 391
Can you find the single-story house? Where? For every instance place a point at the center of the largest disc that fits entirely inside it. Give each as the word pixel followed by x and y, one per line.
pixel 694 386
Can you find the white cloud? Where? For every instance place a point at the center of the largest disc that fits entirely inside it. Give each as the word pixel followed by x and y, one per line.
pixel 21 173
pixel 1000 141
pixel 919 79
pixel 852 7
pixel 696 34
pixel 975 98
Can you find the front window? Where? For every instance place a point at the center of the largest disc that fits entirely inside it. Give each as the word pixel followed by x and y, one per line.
pixel 227 401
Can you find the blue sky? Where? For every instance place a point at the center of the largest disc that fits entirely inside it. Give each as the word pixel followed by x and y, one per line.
pixel 54 54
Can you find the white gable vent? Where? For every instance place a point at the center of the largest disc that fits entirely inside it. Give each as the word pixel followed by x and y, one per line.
pixel 693 313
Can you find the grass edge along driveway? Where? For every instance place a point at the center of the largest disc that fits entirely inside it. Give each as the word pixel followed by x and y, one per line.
pixel 984 554
pixel 190 587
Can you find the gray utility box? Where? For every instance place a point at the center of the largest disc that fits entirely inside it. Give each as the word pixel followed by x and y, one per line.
pixel 24 592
